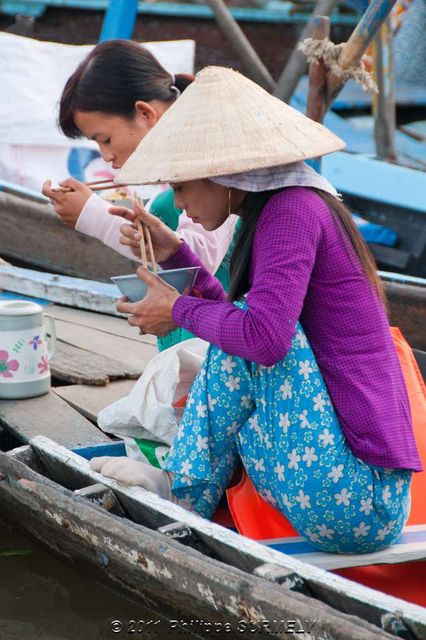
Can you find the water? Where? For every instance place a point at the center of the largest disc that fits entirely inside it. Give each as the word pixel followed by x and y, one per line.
pixel 43 598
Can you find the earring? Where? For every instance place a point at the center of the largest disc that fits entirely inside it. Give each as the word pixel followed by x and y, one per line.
pixel 229 202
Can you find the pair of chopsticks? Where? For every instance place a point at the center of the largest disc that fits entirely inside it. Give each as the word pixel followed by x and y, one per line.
pixel 145 237
pixel 98 185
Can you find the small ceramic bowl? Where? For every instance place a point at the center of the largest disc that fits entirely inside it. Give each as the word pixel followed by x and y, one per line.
pixel 120 202
pixel 135 289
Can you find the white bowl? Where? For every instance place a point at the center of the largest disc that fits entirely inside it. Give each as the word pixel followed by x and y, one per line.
pixel 120 202
pixel 135 289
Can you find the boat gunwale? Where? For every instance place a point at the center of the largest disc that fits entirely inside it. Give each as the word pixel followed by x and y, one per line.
pixel 242 596
pixel 330 588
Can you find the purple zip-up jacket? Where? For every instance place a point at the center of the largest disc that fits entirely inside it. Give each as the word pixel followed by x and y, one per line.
pixel 303 267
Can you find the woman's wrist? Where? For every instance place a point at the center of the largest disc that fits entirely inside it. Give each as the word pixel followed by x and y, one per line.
pixel 174 249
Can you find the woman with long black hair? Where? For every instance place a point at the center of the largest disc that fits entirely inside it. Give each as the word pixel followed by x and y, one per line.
pixel 301 382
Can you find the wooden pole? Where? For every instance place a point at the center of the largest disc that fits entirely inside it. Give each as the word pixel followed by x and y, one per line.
pixel 317 88
pixel 384 102
pixel 253 66
pixel 355 47
pixel 297 65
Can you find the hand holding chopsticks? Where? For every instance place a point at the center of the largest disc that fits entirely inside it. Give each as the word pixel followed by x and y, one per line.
pixel 164 241
pixel 146 239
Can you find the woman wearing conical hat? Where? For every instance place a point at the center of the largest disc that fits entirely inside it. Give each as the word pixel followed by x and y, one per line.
pixel 301 382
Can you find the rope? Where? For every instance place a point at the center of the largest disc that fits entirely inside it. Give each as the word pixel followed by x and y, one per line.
pixel 329 53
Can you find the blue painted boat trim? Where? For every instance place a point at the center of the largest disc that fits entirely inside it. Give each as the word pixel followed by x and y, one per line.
pixel 364 176
pixel 36 8
pixel 353 97
pixel 119 19
pixel 359 136
pixel 299 546
pixel 7 295
pixel 401 278
pixel 103 449
pixel 65 282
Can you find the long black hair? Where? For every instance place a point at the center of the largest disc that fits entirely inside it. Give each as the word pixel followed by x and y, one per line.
pixel 114 75
pixel 252 207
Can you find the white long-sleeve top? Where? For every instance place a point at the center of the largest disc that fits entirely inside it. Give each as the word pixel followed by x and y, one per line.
pixel 209 246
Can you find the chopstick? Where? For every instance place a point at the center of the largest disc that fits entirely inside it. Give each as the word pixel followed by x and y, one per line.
pixel 108 186
pixel 93 188
pixel 92 184
pixel 150 248
pixel 142 244
pixel 145 237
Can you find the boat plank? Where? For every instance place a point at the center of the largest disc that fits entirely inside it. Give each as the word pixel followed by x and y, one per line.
pixel 134 354
pixel 411 546
pixel 79 366
pixel 152 511
pixel 51 416
pixel 89 400
pixel 106 323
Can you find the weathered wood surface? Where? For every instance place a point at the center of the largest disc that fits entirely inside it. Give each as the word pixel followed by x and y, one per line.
pixel 317 87
pixel 351 55
pixel 51 416
pixel 74 292
pixel 134 353
pixel 45 242
pixel 407 310
pixel 237 551
pixel 383 102
pixel 116 326
pixel 145 562
pixel 79 366
pixel 297 64
pixel 89 400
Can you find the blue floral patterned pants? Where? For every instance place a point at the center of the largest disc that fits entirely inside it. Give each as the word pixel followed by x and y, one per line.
pixel 280 422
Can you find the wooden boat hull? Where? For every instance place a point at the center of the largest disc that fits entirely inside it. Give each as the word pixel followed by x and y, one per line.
pixel 409 256
pixel 407 310
pixel 171 556
pixel 33 235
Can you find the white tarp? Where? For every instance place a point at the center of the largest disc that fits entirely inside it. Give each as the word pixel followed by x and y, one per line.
pixel 32 76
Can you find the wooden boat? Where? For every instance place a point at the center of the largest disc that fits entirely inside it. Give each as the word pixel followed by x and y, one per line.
pixel 44 242
pixel 159 553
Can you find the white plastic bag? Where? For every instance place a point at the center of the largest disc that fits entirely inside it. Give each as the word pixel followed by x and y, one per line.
pixel 147 412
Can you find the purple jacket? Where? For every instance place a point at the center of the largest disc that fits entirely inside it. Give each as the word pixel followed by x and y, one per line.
pixel 303 268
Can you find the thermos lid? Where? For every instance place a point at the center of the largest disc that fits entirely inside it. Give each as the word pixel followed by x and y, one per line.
pixel 19 308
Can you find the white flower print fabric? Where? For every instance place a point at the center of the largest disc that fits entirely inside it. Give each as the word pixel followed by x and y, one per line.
pixel 280 423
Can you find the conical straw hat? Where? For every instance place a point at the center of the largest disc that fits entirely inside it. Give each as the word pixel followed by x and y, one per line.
pixel 222 124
